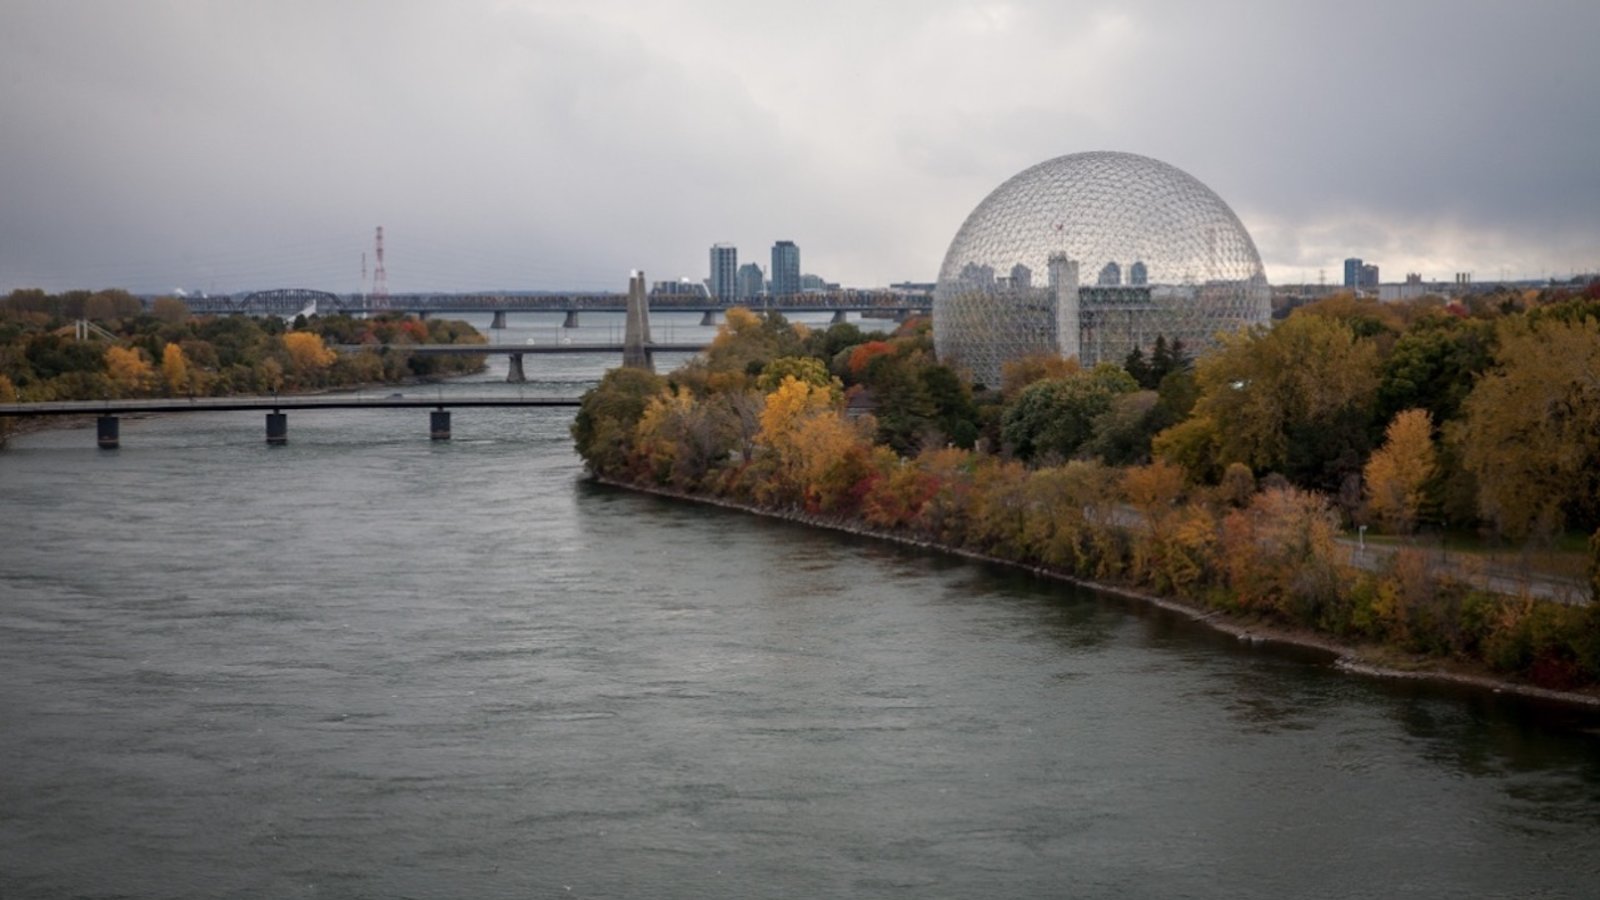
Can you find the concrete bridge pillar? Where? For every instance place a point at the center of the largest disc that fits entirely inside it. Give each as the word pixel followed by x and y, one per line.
pixel 277 428
pixel 422 315
pixel 106 432
pixel 499 319
pixel 709 319
pixel 838 317
pixel 515 374
pixel 439 425
pixel 571 321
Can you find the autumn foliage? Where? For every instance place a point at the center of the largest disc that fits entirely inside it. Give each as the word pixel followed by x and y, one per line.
pixel 1224 484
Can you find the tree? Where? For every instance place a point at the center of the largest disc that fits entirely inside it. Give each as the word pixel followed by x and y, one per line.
pixel 129 371
pixel 1057 416
pixel 1531 433
pixel 171 310
pixel 1433 366
pixel 791 465
pixel 309 356
pixel 1295 399
pixel 747 341
pixel 682 439
pixel 1122 433
pixel 174 369
pixel 608 419
pixel 803 368
pixel 1402 467
pixel 1017 374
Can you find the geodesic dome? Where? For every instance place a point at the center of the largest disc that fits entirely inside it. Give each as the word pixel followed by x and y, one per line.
pixel 1092 255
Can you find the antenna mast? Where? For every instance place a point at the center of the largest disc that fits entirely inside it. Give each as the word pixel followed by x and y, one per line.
pixel 380 278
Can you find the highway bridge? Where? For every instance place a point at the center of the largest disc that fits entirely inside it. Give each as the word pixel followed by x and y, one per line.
pixel 108 428
pixel 515 374
pixel 289 302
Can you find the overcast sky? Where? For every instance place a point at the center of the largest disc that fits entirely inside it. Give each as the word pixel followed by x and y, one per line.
pixel 547 144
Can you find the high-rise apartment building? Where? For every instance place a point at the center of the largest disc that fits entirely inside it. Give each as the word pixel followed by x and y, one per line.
pixel 724 272
pixel 751 281
pixel 1352 272
pixel 785 269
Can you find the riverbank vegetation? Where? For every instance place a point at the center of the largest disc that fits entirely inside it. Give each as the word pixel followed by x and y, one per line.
pixel 1224 483
pixel 126 350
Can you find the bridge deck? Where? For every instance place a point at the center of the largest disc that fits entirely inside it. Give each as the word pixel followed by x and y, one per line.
pixel 271 404
pixel 516 349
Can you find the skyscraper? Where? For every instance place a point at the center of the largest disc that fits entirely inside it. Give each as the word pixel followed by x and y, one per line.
pixel 724 271
pixel 785 269
pixel 1352 272
pixel 751 281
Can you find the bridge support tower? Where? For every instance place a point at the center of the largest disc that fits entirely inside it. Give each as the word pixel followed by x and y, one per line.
pixel 636 338
pixel 838 317
pixel 106 432
pixel 439 424
pixel 514 374
pixel 709 319
pixel 571 321
pixel 499 319
pixel 277 428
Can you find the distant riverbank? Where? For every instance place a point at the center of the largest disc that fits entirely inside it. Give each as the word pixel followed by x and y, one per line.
pixel 1360 659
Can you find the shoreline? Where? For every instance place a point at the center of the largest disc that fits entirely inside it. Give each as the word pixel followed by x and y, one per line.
pixel 1347 658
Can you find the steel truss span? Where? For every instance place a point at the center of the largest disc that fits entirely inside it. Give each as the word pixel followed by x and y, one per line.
pixel 1091 255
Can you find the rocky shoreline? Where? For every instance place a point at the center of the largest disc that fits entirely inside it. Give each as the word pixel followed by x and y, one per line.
pixel 1353 659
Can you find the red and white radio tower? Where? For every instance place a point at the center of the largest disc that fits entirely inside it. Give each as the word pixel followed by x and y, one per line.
pixel 380 278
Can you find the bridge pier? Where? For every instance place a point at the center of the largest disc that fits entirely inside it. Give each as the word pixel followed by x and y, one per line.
pixel 571 321
pixel 277 428
pixel 499 319
pixel 515 375
pixel 422 315
pixel 838 317
pixel 709 319
pixel 439 424
pixel 106 432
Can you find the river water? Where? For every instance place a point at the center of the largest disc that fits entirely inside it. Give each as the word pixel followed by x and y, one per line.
pixel 370 665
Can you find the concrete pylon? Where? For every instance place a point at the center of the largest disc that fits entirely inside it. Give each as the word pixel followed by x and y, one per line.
pixel 636 339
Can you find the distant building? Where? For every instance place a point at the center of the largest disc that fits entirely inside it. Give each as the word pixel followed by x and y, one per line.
pixel 817 283
pixel 681 288
pixel 1110 276
pixel 1352 272
pixel 1359 274
pixel 785 269
pixel 1021 276
pixel 1138 274
pixel 723 283
pixel 751 281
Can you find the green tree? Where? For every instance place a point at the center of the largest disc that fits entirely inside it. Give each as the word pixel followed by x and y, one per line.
pixel 1057 416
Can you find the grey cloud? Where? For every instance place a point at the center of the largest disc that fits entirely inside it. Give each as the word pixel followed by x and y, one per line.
pixel 557 144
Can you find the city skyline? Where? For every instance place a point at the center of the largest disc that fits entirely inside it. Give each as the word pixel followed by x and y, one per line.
pixel 558 145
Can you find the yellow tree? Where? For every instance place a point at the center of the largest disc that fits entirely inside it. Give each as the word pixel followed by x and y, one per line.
pixel 129 371
pixel 308 355
pixel 174 369
pixel 782 420
pixel 1396 474
pixel 1531 433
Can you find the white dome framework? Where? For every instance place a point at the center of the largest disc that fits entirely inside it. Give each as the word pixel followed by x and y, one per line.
pixel 1091 255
